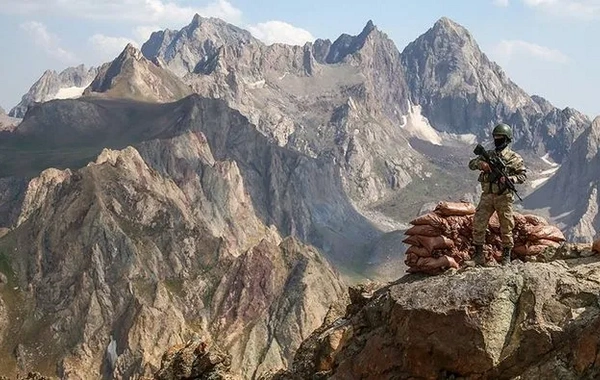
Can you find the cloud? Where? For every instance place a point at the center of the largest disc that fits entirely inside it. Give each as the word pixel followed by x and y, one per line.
pixel 278 31
pixel 501 3
pixel 507 49
pixel 164 12
pixel 49 42
pixel 144 17
pixel 108 47
pixel 578 9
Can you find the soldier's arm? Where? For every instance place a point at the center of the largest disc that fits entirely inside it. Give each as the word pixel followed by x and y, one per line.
pixel 518 171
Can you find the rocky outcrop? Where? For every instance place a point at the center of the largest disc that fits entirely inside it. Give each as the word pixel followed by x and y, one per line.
pixel 528 320
pixel 572 193
pixel 111 263
pixel 7 123
pixel 462 91
pixel 195 360
pixel 132 76
pixel 69 83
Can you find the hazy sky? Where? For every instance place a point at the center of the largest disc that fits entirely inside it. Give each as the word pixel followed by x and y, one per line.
pixel 548 47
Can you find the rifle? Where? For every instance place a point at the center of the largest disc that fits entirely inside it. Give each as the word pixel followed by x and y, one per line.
pixel 498 169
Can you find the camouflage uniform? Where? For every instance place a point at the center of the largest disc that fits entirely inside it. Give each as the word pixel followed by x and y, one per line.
pixel 492 201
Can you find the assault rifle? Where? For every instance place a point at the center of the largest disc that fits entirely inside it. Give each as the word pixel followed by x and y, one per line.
pixel 498 170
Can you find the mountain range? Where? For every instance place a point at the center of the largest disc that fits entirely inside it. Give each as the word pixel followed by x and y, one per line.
pixel 209 184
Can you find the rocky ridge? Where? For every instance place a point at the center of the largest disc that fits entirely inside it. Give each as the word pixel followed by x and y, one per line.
pixel 131 76
pixel 120 259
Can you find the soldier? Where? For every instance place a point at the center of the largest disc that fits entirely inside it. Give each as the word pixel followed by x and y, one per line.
pixel 495 195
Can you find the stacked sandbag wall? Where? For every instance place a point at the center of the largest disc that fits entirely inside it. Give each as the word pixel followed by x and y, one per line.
pixel 442 239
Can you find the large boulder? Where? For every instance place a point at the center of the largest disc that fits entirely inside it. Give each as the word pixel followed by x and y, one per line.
pixel 528 321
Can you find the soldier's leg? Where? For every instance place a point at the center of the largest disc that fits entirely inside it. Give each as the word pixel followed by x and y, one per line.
pixel 483 212
pixel 504 207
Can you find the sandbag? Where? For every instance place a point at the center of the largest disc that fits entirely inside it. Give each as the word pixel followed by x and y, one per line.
pixel 433 265
pixel 459 255
pixel 419 251
pixel 431 219
pixel 494 222
pixel 494 252
pixel 547 232
pixel 546 242
pixel 596 246
pixel 433 243
pixel 424 230
pixel 529 250
pixel 520 250
pixel 519 219
pixel 534 250
pixel 535 220
pixel 411 259
pixel 412 240
pixel 454 208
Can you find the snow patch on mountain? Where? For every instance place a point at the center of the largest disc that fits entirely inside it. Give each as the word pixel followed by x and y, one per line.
pixel 70 92
pixel 547 160
pixel 418 126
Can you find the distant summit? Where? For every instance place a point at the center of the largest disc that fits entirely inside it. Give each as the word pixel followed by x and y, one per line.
pixel 462 91
pixel 70 83
pixel 132 76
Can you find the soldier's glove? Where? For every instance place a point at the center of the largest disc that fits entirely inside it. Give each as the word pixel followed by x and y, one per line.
pixel 484 166
pixel 502 180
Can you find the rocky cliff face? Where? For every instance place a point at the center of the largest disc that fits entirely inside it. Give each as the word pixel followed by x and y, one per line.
pixel 353 88
pixel 111 263
pixel 69 83
pixel 534 320
pixel 462 91
pixel 572 193
pixel 131 76
pixel 300 195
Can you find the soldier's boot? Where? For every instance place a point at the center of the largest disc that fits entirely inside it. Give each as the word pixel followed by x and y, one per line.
pixel 506 256
pixel 478 258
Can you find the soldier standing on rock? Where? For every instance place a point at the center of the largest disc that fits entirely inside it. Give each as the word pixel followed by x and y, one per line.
pixel 495 195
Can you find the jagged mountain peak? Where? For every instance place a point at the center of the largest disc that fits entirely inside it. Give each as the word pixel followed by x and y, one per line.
pixel 133 76
pixel 447 24
pixel 204 28
pixel 130 51
pixel 202 37
pixel 369 27
pixel 201 21
pixel 346 44
pixel 447 38
pixel 448 32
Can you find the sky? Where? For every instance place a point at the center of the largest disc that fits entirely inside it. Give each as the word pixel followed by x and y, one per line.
pixel 547 47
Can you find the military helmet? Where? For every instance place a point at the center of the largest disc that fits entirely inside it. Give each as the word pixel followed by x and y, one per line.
pixel 503 130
